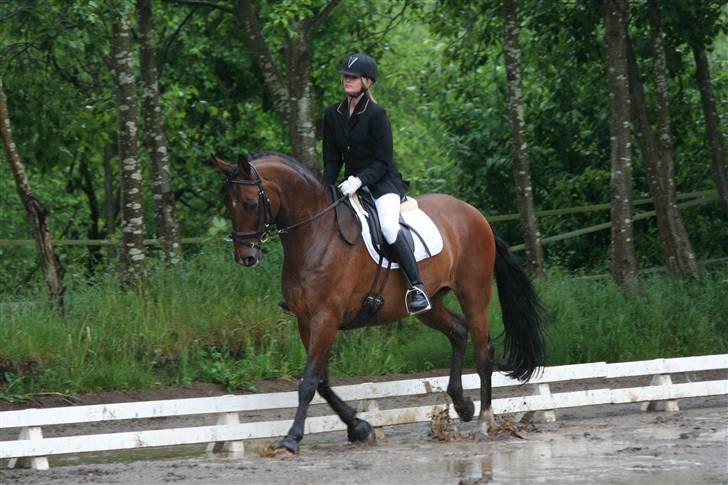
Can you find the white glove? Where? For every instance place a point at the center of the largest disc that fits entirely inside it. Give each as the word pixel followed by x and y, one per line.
pixel 350 186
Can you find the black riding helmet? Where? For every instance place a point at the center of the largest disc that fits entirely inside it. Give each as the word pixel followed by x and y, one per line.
pixel 360 65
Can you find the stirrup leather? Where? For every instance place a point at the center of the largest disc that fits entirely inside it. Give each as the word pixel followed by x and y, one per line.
pixel 414 289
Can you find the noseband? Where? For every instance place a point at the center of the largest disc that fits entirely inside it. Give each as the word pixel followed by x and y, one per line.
pixel 264 230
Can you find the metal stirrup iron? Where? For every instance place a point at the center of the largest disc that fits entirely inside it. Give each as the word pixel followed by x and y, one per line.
pixel 414 289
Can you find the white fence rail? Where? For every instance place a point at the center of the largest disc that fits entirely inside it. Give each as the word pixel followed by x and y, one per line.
pixel 33 449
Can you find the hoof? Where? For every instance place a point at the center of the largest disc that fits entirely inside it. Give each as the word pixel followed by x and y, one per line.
pixel 360 431
pixel 466 411
pixel 289 444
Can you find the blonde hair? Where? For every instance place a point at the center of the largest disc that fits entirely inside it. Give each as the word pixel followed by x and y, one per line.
pixel 368 87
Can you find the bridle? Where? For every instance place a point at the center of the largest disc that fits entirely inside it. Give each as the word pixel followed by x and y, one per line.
pixel 264 230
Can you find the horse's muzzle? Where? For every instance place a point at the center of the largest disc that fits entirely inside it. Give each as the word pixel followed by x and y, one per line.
pixel 248 261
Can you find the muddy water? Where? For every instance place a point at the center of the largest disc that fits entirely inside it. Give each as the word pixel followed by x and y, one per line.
pixel 594 445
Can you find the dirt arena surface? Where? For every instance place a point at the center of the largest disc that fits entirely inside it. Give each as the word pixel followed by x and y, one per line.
pixel 598 444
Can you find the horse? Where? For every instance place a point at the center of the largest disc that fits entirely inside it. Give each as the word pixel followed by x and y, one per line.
pixel 325 279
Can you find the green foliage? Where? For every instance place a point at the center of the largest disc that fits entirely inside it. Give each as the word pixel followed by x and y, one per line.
pixel 442 82
pixel 210 320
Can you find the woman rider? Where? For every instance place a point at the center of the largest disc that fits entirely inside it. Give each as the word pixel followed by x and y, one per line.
pixel 357 134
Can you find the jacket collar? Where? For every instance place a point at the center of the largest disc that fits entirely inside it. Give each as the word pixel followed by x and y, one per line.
pixel 361 106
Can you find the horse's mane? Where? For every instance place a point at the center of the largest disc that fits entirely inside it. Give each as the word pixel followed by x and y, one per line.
pixel 305 172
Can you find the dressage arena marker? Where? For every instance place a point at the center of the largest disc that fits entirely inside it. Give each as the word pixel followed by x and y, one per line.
pixel 31 448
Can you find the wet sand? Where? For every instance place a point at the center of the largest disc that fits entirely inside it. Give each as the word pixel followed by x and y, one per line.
pixel 599 444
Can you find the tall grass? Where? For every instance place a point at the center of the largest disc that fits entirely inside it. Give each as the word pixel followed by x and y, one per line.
pixel 210 320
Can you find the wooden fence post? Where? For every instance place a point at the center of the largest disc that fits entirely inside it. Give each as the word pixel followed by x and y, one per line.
pixel 237 447
pixel 37 462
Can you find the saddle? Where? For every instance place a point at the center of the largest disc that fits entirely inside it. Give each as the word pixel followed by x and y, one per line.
pixel 366 203
pixel 365 210
pixel 363 203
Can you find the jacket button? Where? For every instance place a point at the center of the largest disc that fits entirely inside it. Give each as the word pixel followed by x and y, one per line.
pixel 348 147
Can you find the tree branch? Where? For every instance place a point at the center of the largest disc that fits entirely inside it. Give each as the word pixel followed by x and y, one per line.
pixel 257 44
pixel 391 23
pixel 325 12
pixel 200 3
pixel 170 40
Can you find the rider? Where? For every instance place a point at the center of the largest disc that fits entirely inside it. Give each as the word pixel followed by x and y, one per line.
pixel 357 134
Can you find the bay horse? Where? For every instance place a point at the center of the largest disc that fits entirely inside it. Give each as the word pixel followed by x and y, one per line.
pixel 325 279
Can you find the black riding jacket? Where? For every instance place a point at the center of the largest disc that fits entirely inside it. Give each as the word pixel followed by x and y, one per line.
pixel 363 143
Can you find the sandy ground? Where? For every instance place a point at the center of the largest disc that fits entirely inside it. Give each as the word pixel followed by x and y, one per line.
pixel 598 444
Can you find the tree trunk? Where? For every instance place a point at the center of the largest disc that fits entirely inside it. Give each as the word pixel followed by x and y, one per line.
pixel 37 213
pixel 624 261
pixel 713 132
pixel 519 143
pixel 110 201
pixel 680 256
pixel 301 127
pixel 155 140
pixel 292 94
pixel 132 206
pixel 93 232
pixel 293 97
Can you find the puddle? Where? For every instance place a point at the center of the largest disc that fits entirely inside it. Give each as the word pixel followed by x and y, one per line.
pixel 686 448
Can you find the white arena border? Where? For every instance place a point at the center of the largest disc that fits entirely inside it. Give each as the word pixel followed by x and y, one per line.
pixel 31 448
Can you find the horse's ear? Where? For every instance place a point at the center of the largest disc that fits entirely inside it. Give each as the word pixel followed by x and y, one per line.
pixel 244 164
pixel 221 165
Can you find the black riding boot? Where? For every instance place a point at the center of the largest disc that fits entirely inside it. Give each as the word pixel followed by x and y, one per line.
pixel 419 301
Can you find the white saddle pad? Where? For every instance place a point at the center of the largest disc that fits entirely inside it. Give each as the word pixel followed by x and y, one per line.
pixel 417 219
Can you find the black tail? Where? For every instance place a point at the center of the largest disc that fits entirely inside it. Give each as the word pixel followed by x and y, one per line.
pixel 522 315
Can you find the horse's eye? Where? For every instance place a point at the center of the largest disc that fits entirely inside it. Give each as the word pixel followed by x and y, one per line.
pixel 251 206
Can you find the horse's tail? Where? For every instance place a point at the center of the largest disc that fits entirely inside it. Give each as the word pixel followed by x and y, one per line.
pixel 522 315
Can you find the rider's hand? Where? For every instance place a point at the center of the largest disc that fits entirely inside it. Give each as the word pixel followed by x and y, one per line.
pixel 350 186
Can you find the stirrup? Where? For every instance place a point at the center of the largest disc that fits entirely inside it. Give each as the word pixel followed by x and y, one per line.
pixel 421 292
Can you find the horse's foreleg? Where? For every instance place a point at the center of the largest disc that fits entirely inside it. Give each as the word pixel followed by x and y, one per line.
pixel 357 429
pixel 319 346
pixel 455 328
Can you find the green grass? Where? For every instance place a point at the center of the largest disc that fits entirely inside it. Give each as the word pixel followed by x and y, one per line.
pixel 210 320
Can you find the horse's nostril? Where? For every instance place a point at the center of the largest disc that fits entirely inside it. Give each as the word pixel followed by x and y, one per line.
pixel 249 261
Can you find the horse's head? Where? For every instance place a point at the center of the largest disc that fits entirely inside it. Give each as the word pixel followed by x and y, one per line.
pixel 249 207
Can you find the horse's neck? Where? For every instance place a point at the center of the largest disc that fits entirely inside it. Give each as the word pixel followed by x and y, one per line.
pixel 307 243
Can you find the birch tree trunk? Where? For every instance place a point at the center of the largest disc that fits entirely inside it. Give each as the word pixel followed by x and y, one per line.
pixel 132 203
pixel 37 213
pixel 624 261
pixel 680 256
pixel 155 139
pixel 519 143
pixel 713 133
pixel 301 127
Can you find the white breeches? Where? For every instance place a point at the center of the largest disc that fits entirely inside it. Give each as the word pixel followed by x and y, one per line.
pixel 388 209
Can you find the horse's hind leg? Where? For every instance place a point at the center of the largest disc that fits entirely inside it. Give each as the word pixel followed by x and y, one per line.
pixel 357 429
pixel 476 311
pixel 455 328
